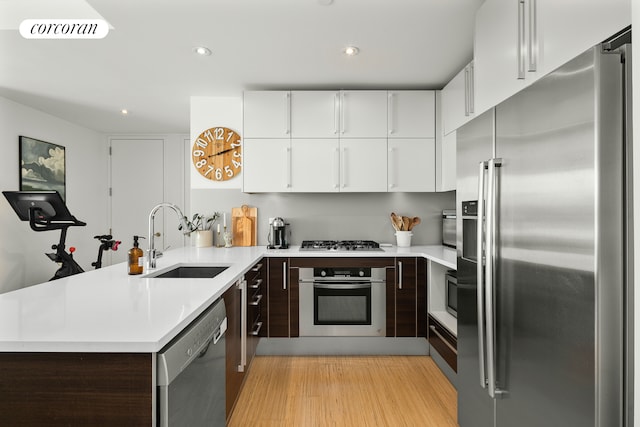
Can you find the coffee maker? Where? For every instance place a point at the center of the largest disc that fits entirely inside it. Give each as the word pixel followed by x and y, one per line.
pixel 278 238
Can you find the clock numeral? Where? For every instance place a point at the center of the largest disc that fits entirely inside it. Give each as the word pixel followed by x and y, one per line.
pixel 236 163
pixel 198 153
pixel 207 134
pixel 229 135
pixel 209 170
pixel 236 144
pixel 236 154
pixel 218 174
pixel 219 132
pixel 201 163
pixel 228 171
pixel 202 143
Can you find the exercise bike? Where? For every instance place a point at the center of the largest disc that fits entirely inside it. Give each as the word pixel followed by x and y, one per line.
pixel 46 211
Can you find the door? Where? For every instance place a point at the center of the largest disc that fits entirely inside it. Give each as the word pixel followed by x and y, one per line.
pixel 278 300
pixel 136 187
pixel 411 114
pixel 315 114
pixel 406 286
pixel 474 145
pixel 266 165
pixel 545 286
pixel 411 164
pixel 363 114
pixel 315 165
pixel 363 163
pixel 267 114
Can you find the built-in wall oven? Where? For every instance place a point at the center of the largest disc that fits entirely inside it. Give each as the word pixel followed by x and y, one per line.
pixel 342 301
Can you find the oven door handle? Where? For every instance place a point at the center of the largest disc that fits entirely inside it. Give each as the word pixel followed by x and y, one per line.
pixel 322 281
pixel 342 286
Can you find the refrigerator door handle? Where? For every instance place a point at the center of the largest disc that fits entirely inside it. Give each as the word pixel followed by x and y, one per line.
pixel 480 273
pixel 490 267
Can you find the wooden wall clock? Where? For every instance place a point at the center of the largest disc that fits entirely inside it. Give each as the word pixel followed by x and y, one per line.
pixel 217 153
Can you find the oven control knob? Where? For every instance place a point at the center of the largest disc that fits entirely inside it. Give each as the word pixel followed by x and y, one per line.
pixel 323 273
pixel 360 273
pixel 189 352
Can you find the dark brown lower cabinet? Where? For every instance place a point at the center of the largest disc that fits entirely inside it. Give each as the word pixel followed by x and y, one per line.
pixel 233 346
pixel 444 342
pixel 407 298
pixel 76 389
pixel 283 295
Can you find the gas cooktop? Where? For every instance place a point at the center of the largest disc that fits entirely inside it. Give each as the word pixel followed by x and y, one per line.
pixel 340 245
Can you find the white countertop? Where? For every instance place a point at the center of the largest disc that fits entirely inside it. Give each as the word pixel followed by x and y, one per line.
pixel 107 310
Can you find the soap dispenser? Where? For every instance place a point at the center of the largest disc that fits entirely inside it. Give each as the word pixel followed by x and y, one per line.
pixel 136 257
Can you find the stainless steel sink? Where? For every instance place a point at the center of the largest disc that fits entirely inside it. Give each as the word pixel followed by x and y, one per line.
pixel 190 272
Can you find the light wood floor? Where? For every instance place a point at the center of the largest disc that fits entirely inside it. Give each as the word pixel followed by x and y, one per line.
pixel 349 391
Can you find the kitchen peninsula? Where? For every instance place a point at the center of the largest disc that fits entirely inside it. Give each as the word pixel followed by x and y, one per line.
pixel 109 325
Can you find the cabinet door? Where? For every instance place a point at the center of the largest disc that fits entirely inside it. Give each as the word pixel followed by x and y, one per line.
pixel 421 297
pixel 233 346
pixel 495 53
pixel 457 100
pixel 411 164
pixel 267 165
pixel 411 114
pixel 266 114
pixel 278 291
pixel 315 165
pixel 406 308
pixel 592 21
pixel 363 165
pixel 447 159
pixel 363 114
pixel 315 114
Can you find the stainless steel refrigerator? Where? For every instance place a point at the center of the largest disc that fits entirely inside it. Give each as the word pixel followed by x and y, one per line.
pixel 543 215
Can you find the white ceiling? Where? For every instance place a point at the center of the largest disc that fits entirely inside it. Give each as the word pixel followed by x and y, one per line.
pixel 146 63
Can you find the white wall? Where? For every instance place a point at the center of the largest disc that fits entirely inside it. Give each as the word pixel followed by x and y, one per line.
pixel 22 259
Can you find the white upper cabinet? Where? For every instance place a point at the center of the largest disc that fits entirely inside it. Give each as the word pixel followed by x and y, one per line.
pixel 363 114
pixel 411 164
pixel 411 114
pixel 315 165
pixel 517 42
pixel 315 114
pixel 363 165
pixel 267 114
pixel 458 100
pixel 266 165
pixel 446 178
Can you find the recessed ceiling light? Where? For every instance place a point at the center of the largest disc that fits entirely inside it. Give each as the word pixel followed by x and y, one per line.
pixel 351 51
pixel 202 50
pixel 124 111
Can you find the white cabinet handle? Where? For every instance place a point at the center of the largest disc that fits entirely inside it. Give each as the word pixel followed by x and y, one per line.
pixel 336 168
pixel 343 125
pixel 533 36
pixel 521 42
pixel 399 274
pixel 390 113
pixel 287 172
pixel 344 167
pixel 287 113
pixel 284 275
pixel 336 109
pixel 391 167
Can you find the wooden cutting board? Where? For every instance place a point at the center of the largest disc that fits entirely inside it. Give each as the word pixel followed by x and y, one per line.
pixel 244 224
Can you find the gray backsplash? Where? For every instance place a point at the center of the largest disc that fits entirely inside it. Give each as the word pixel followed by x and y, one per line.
pixel 334 216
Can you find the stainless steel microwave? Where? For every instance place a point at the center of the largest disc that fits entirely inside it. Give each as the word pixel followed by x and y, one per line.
pixel 451 295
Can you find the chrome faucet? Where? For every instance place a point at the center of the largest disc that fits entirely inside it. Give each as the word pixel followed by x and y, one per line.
pixel 152 253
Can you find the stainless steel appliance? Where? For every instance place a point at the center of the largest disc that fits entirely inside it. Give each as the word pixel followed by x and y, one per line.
pixel 451 295
pixel 278 234
pixel 191 373
pixel 449 228
pixel 340 245
pixel 342 302
pixel 543 275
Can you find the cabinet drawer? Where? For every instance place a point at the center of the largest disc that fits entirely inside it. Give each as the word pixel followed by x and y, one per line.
pixel 444 342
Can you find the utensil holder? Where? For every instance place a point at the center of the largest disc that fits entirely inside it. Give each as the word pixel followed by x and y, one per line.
pixel 403 238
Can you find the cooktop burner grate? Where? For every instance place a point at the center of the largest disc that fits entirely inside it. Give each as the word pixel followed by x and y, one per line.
pixel 340 245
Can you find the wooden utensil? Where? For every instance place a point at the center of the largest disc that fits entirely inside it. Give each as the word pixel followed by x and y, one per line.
pixel 406 221
pixel 414 221
pixel 393 221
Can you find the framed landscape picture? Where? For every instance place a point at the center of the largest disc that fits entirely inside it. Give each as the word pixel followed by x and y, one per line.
pixel 42 166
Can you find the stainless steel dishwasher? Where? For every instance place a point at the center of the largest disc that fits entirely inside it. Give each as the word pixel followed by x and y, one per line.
pixel 191 373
